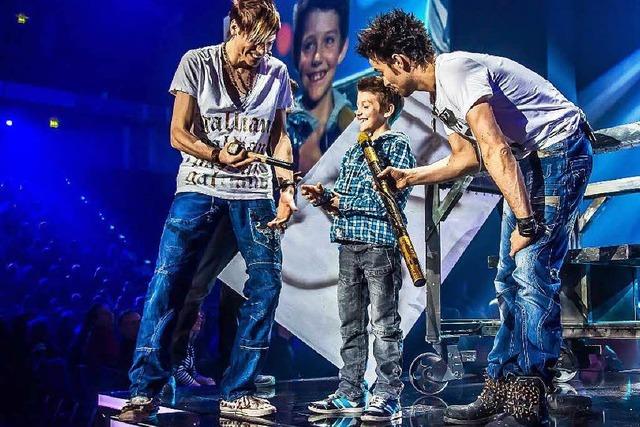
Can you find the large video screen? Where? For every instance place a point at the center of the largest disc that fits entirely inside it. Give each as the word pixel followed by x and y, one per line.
pixel 318 41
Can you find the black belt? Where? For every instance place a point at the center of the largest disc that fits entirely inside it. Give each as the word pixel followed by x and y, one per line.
pixel 351 242
pixel 588 130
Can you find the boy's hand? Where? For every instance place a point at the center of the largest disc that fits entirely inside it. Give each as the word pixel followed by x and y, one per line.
pixel 313 193
pixel 332 207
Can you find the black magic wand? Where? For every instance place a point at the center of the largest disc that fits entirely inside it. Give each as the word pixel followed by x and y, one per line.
pixel 394 213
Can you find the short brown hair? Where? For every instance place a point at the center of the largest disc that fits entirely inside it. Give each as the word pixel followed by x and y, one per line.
pixel 257 18
pixel 396 32
pixel 303 9
pixel 386 96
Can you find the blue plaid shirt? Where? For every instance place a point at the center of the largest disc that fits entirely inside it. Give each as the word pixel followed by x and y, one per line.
pixel 362 216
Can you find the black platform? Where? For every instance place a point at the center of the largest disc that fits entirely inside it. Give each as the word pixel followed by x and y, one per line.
pixel 616 402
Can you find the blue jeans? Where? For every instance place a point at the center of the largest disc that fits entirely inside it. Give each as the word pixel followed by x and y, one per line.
pixel 193 225
pixel 528 286
pixel 370 274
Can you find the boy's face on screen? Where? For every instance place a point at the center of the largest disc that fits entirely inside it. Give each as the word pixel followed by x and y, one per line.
pixel 370 114
pixel 321 50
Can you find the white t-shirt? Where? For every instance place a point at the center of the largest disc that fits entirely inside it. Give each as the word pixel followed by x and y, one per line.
pixel 220 120
pixel 531 113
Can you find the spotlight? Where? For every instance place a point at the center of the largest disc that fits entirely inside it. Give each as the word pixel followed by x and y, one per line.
pixel 54 123
pixel 21 18
pixel 9 123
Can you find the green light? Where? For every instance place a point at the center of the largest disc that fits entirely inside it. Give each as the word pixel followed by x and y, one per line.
pixel 54 123
pixel 22 18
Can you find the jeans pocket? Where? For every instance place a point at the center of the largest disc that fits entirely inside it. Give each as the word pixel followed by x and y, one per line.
pixel 188 208
pixel 380 261
pixel 261 233
pixel 580 169
pixel 547 211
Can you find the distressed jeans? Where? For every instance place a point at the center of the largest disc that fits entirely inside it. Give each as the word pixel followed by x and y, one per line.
pixel 193 225
pixel 369 274
pixel 528 286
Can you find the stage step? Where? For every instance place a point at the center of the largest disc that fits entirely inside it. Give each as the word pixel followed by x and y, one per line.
pixel 619 255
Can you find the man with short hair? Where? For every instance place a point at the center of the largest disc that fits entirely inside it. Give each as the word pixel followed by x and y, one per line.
pixel 533 142
pixel 231 92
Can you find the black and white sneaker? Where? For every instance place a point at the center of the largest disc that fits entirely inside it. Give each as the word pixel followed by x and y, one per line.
pixel 382 409
pixel 337 405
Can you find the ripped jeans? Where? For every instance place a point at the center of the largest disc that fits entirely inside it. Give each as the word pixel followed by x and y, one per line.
pixel 192 223
pixel 530 335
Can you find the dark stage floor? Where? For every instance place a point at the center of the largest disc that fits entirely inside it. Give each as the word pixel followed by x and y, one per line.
pixel 616 402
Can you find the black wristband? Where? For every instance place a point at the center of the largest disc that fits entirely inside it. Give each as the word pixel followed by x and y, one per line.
pixel 286 183
pixel 324 199
pixel 215 156
pixel 527 227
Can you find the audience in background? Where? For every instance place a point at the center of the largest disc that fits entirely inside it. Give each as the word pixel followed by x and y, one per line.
pixel 73 291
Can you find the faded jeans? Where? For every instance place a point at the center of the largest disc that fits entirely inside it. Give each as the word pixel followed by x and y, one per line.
pixel 369 274
pixel 530 335
pixel 194 220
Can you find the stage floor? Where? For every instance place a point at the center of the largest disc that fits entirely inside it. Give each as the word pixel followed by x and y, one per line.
pixel 616 402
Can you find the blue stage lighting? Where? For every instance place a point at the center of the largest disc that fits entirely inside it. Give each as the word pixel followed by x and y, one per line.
pixel 602 94
pixel 9 123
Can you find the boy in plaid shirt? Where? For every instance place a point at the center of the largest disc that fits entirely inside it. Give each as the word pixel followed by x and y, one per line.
pixel 370 271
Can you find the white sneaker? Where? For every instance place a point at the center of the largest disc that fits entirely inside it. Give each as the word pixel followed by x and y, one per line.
pixel 248 406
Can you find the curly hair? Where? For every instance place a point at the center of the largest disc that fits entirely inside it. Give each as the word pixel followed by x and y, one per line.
pixel 396 32
pixel 386 95
pixel 301 11
pixel 257 18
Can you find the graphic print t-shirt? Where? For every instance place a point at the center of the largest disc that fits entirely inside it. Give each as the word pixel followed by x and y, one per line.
pixel 219 121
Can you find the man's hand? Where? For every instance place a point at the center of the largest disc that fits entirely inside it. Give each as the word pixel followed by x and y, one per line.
pixel 238 161
pixel 518 242
pixel 286 208
pixel 397 178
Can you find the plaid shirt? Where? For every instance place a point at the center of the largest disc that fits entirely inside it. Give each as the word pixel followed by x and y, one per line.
pixel 362 216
